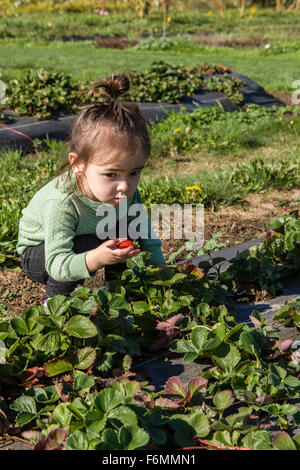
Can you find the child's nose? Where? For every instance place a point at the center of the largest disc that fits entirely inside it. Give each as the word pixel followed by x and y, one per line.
pixel 123 186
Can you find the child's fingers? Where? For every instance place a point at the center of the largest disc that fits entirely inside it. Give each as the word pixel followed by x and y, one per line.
pixel 133 253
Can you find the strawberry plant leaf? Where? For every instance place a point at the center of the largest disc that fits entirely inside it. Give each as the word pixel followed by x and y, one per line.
pixel 81 327
pixel 122 415
pixel 62 415
pixel 131 437
pixel 283 441
pixel 174 387
pixel 199 422
pixel 84 358
pixel 223 399
pixel 227 357
pixel 166 403
pixel 77 441
pixel 95 421
pixel 50 342
pixel 83 382
pixel 196 384
pixel 199 337
pixel 258 440
pixel 108 399
pixel 58 366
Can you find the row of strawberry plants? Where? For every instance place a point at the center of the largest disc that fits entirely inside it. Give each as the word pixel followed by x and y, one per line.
pixel 42 92
pixel 74 356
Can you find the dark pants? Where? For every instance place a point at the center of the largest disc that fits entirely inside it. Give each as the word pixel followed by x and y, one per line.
pixel 33 264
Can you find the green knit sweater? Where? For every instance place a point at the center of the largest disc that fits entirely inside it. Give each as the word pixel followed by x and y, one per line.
pixel 58 212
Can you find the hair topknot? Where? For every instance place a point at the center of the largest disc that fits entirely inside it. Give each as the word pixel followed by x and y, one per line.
pixel 113 86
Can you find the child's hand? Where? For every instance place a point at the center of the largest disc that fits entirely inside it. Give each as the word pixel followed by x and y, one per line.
pixel 109 253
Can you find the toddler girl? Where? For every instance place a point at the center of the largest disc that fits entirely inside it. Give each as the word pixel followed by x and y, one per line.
pixel 58 239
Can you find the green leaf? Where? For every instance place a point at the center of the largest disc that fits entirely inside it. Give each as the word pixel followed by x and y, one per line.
pixel 223 437
pixel 110 437
pixel 157 435
pixel 81 327
pixel 292 381
pixel 258 440
pixel 77 441
pixel 199 422
pixel 57 305
pixel 183 346
pixel 190 357
pixel 95 421
pixel 283 441
pixel 50 342
pixel 108 399
pixel 140 307
pixel 122 415
pixel 223 399
pixel 62 415
pixel 57 366
pixel 26 325
pixel 83 382
pixel 132 437
pixel 46 395
pixel 226 356
pixel 24 403
pixel 84 358
pixel 248 343
pixel 79 408
pixel 199 337
pixel 24 417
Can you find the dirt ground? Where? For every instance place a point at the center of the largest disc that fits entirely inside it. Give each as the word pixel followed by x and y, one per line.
pixel 237 224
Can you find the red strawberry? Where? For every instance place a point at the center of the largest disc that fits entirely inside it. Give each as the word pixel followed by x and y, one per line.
pixel 125 244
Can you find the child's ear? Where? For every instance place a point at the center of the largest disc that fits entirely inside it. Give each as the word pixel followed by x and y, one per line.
pixel 77 166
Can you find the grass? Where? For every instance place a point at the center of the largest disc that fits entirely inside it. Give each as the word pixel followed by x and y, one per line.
pixel 265 22
pixel 275 73
pixel 25 44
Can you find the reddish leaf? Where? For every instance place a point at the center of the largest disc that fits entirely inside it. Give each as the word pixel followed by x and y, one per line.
pixel 196 384
pixel 269 234
pixel 54 441
pixel 174 387
pixel 285 345
pixel 170 323
pixel 166 403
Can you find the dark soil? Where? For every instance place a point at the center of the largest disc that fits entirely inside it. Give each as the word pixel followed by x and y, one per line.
pixel 114 43
pixel 217 41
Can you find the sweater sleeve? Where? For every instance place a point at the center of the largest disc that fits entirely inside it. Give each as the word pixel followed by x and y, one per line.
pixel 61 263
pixel 152 244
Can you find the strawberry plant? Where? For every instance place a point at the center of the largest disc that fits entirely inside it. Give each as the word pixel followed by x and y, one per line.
pixel 69 369
pixel 167 83
pixel 42 93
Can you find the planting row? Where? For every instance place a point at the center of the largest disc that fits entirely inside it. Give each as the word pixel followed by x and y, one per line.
pixel 41 93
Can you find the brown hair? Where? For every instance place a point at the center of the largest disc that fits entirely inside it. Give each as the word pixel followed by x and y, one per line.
pixel 120 119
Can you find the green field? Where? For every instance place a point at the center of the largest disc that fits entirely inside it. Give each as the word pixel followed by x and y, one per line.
pixel 25 43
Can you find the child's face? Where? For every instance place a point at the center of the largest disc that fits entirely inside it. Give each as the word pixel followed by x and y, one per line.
pixel 109 182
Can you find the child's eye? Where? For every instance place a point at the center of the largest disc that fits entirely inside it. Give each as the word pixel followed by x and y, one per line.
pixel 111 175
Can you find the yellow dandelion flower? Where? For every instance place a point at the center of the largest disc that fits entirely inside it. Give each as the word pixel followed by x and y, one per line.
pixel 43 169
pixel 168 19
pixel 177 130
pixel 210 13
pixel 193 188
pixel 187 129
pixel 253 10
pixel 250 16
pixel 49 24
